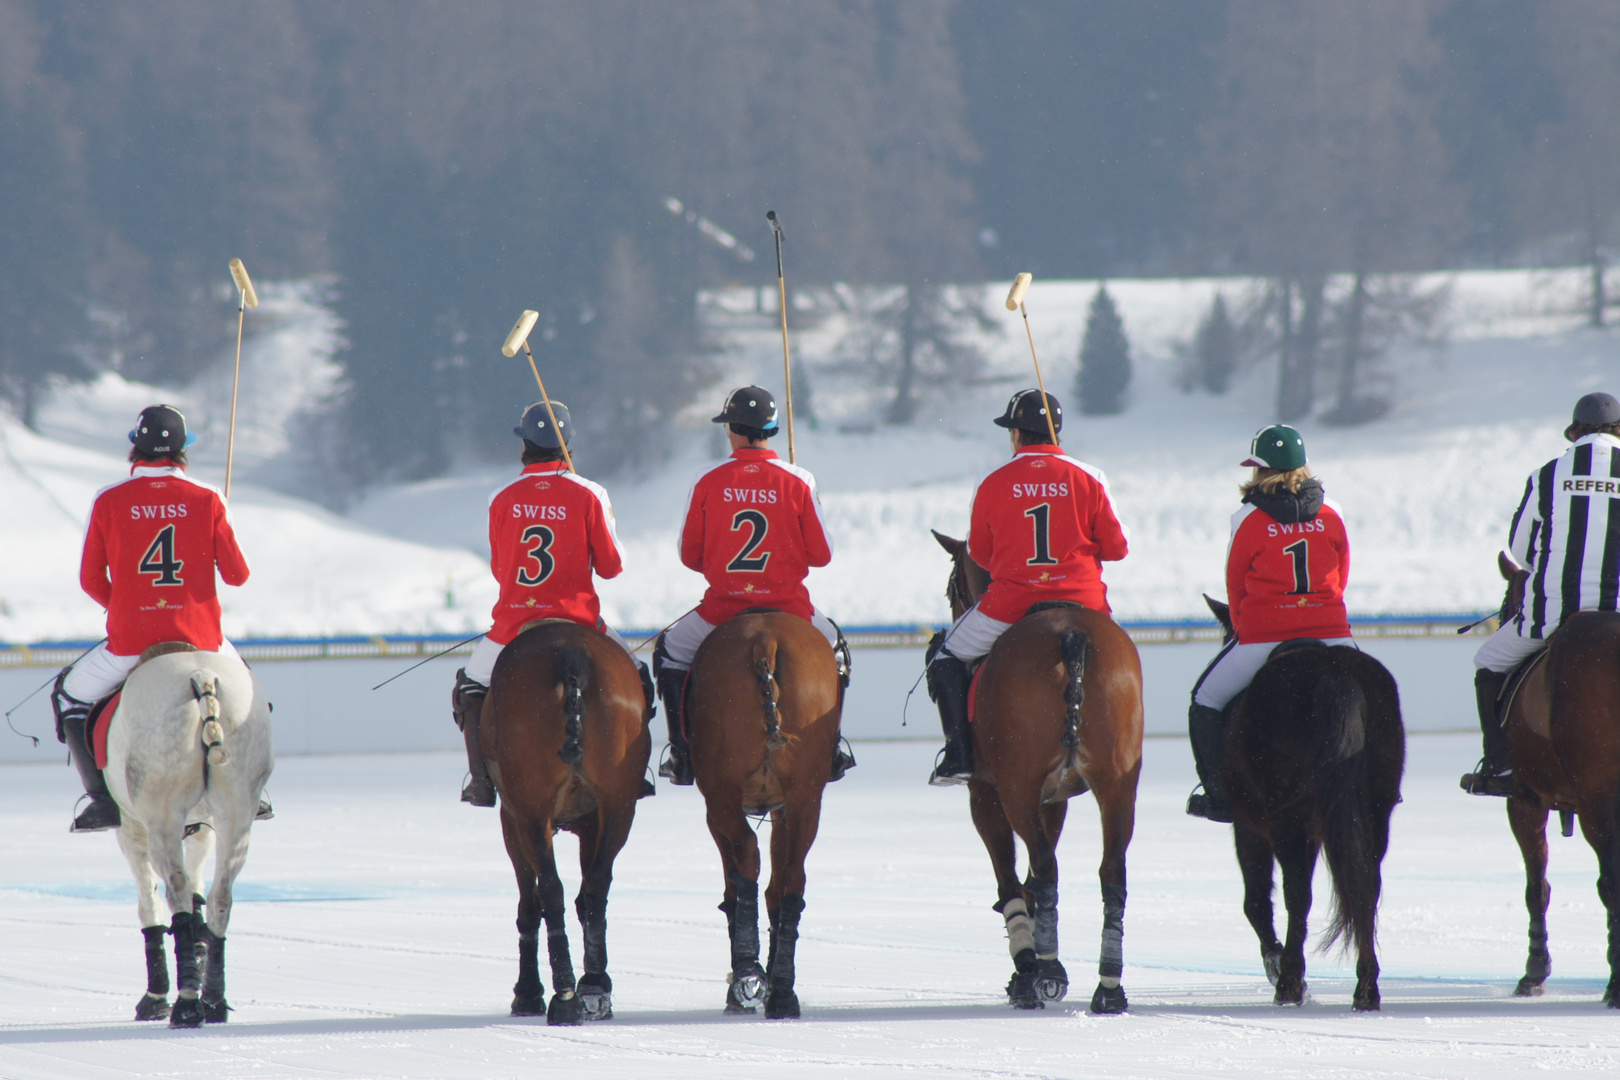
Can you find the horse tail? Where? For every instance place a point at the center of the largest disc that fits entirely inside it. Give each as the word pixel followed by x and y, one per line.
pixel 205 688
pixel 1076 650
pixel 574 668
pixel 1339 717
pixel 765 647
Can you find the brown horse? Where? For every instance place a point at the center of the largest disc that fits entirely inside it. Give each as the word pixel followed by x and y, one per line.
pixel 1563 742
pixel 1313 759
pixel 1058 711
pixel 763 707
pixel 564 731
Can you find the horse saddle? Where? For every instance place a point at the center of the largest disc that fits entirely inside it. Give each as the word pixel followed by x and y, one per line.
pixel 1514 683
pixel 101 712
pixel 1051 605
pixel 1294 645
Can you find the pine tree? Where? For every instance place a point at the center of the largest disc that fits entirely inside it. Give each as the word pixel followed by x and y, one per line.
pixel 1105 359
pixel 1216 348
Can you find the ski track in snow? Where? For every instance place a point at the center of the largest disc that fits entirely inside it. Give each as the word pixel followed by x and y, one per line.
pixel 398 959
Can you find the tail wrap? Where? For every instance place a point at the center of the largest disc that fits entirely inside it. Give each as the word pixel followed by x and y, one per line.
pixel 574 668
pixel 765 671
pixel 205 688
pixel 1350 837
pixel 1076 650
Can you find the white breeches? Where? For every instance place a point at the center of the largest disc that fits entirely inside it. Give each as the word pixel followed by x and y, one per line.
pixel 98 672
pixel 1503 650
pixel 971 636
pixel 691 630
pixel 480 666
pixel 1234 668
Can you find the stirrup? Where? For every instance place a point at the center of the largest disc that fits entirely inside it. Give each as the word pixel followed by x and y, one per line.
pixel 1202 804
pixel 265 811
pixel 478 792
pixel 941 777
pixel 843 760
pixel 102 814
pixel 1482 782
pixel 676 767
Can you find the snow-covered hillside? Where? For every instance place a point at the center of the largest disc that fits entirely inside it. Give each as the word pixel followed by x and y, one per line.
pixel 1427 490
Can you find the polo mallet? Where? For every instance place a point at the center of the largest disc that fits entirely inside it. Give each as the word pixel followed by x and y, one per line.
pixel 781 301
pixel 250 299
pixel 519 339
pixel 1015 302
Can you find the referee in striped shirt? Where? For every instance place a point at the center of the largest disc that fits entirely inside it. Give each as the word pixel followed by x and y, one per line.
pixel 1567 533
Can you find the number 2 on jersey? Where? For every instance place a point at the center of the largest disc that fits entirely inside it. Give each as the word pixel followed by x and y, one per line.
pixel 539 538
pixel 757 524
pixel 1301 552
pixel 1042 517
pixel 159 559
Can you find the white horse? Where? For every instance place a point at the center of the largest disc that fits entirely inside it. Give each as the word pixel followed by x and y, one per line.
pixel 188 754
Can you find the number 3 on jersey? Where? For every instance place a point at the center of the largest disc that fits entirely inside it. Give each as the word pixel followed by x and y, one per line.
pixel 159 559
pixel 539 540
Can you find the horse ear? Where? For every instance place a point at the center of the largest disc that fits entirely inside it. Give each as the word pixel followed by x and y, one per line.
pixel 953 546
pixel 1222 612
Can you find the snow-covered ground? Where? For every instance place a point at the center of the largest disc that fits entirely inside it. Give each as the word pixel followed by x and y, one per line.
pixel 1427 490
pixel 373 936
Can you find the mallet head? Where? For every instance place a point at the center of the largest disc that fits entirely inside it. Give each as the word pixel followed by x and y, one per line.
pixel 1020 286
pixel 250 299
pixel 520 333
pixel 776 226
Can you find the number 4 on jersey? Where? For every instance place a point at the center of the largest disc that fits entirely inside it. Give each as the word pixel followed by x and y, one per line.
pixel 159 559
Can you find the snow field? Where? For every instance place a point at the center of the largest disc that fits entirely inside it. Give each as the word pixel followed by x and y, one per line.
pixel 373 936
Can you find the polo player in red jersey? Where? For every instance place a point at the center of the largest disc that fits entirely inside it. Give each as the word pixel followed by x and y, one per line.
pixel 753 529
pixel 549 530
pixel 1042 525
pixel 150 553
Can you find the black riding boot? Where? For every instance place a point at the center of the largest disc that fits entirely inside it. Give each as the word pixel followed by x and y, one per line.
pixel 1206 729
pixel 72 715
pixel 677 767
pixel 466 702
pixel 1492 777
pixel 948 683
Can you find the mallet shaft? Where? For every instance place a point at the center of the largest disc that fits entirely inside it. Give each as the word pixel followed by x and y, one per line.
pixel 1046 402
pixel 781 303
pixel 568 459
pixel 250 298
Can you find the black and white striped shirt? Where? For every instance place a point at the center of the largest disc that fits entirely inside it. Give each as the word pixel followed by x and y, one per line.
pixel 1567 531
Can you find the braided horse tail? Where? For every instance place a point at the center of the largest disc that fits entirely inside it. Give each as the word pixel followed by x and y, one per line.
pixel 1076 650
pixel 574 669
pixel 770 690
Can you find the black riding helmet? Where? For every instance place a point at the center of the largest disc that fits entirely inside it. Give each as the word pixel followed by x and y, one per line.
pixel 1593 409
pixel 161 429
pixel 1025 413
pixel 536 426
pixel 750 407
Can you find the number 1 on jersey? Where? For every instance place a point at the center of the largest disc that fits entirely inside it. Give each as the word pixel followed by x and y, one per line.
pixel 159 559
pixel 1301 551
pixel 1042 517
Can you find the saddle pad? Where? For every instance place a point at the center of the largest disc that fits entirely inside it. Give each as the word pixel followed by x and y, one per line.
pixel 1515 682
pixel 100 720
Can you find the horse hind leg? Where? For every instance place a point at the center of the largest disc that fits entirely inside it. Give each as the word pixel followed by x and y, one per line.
pixel 1600 824
pixel 1255 860
pixel 132 840
pixel 793 830
pixel 599 844
pixel 1296 854
pixel 566 1006
pixel 529 993
pixel 1116 804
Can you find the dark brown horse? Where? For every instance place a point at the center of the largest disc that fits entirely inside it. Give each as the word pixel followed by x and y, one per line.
pixel 1563 741
pixel 1314 754
pixel 564 731
pixel 763 705
pixel 1058 711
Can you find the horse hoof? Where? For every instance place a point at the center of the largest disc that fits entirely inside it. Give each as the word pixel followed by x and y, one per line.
pixel 529 1004
pixel 781 1004
pixel 216 1012
pixel 566 1008
pixel 1271 957
pixel 1366 1001
pixel 151 1007
pixel 187 1013
pixel 1611 996
pixel 1528 988
pixel 1290 992
pixel 1021 992
pixel 1109 1000
pixel 596 993
pixel 1051 981
pixel 733 1009
pixel 747 991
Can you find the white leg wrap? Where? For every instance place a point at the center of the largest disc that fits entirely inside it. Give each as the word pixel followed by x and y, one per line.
pixel 1108 983
pixel 1020 931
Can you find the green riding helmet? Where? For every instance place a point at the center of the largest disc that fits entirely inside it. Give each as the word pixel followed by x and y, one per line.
pixel 1276 447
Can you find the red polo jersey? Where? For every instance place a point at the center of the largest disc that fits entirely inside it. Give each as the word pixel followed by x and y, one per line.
pixel 548 530
pixel 753 530
pixel 1287 580
pixel 1043 524
pixel 150 553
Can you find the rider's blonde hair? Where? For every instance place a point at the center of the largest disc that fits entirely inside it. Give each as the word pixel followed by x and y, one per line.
pixel 1267 481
